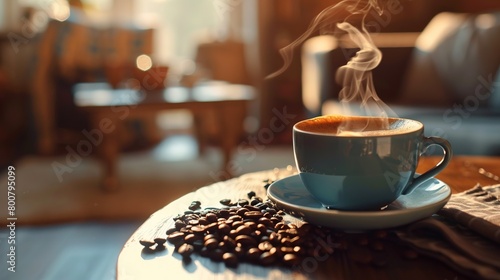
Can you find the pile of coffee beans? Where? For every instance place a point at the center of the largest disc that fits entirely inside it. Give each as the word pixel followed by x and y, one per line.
pixel 252 230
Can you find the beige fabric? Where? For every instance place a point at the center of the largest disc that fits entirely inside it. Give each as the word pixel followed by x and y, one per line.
pixel 465 235
pixel 454 54
pixel 477 209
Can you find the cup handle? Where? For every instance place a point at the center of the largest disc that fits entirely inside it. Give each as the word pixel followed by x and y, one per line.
pixel 428 141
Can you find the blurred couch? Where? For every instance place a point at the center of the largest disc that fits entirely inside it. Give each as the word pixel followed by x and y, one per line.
pixel 447 76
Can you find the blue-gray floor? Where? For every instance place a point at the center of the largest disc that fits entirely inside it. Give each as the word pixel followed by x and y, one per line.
pixel 75 251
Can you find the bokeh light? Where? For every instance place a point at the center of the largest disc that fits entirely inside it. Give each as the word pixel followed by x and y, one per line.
pixel 144 62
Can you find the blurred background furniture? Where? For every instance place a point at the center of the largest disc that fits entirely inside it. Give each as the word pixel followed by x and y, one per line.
pixel 108 107
pixel 72 52
pixel 447 76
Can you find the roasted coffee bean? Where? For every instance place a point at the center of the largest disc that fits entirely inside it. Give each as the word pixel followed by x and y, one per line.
pixel 237 224
pixel 253 215
pixel 261 227
pixel 224 213
pixel 251 194
pixel 253 254
pixel 245 241
pixel 243 230
pixel 280 225
pixel 233 233
pixel 255 201
pixel 176 238
pixel 276 252
pixel 255 231
pixel 211 217
pixel 286 250
pixel 185 250
pixel 241 211
pixel 235 218
pixel 252 208
pixel 171 230
pixel 265 221
pixel 230 242
pixel 230 259
pixel 251 224
pixel 270 210
pixel 267 258
pixel 265 246
pixel 196 202
pixel 147 243
pixel 225 201
pixel 186 229
pixel 304 229
pixel 211 243
pixel 275 220
pixel 285 241
pixel 212 227
pixel 273 238
pixel 243 202
pixel 224 228
pixel 198 229
pixel 191 238
pixel 203 221
pixel 299 250
pixel 257 234
pixel 160 241
pixel 261 206
pixel 291 259
pixel 296 241
pixel 194 207
pixel 179 224
pixel 239 252
pixel 210 236
pixel 291 232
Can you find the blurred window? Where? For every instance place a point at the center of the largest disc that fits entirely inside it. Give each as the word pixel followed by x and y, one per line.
pixel 180 24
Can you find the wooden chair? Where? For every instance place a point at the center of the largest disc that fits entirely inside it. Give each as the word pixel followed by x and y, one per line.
pixel 71 52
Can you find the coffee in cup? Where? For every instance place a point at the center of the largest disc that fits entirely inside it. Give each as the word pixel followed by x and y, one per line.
pixel 362 163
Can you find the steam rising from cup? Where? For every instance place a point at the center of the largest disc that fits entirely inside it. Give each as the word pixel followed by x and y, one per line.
pixel 358 95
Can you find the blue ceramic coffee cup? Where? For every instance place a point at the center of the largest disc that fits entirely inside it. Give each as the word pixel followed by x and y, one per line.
pixel 362 163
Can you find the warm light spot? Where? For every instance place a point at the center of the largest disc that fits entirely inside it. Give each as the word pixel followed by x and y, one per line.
pixel 485 21
pixel 144 62
pixel 60 10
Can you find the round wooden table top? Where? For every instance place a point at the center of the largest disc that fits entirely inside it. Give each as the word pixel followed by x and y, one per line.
pixel 135 262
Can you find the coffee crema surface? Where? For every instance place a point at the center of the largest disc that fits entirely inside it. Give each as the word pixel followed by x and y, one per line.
pixel 357 126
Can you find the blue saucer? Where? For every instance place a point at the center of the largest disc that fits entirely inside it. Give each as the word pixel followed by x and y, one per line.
pixel 291 195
